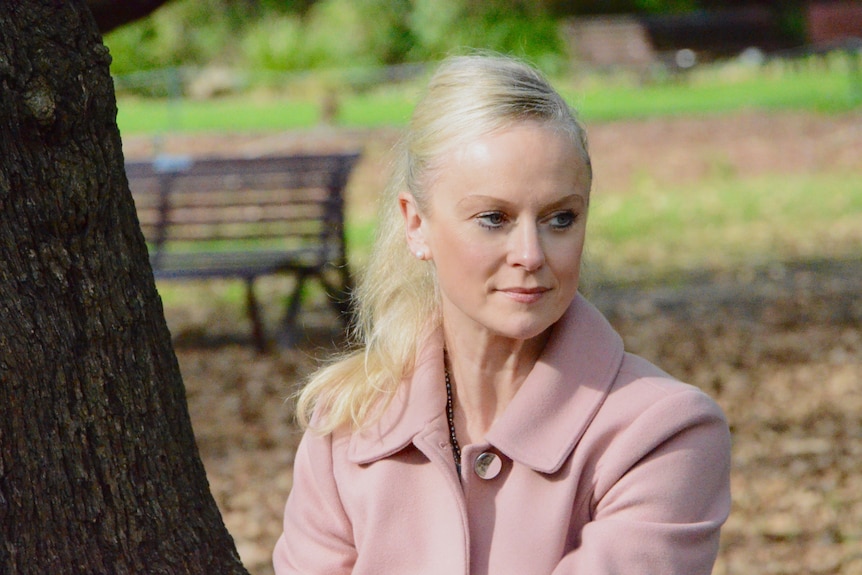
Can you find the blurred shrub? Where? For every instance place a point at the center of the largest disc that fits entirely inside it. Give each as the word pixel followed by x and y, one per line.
pixel 519 27
pixel 355 37
pixel 180 33
pixel 348 33
pixel 274 43
pixel 289 36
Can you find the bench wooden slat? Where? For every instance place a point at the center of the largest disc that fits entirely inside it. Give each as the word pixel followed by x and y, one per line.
pixel 233 264
pixel 238 215
pixel 211 197
pixel 234 209
pixel 203 234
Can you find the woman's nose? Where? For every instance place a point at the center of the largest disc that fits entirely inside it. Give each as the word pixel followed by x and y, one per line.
pixel 525 249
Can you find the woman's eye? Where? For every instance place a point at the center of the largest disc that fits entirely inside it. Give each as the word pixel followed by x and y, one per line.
pixel 562 220
pixel 491 220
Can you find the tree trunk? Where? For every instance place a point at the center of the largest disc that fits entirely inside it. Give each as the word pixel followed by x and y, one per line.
pixel 99 471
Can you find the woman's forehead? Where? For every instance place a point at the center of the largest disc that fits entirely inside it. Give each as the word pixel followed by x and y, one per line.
pixel 464 142
pixel 511 163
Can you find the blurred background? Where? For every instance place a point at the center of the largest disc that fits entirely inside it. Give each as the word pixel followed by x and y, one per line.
pixel 725 238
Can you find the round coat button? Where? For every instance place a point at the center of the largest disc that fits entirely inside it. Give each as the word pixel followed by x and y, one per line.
pixel 488 465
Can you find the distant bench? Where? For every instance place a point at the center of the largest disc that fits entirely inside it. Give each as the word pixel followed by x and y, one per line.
pixel 247 218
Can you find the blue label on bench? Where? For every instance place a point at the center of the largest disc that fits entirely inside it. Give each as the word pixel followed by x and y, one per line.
pixel 169 163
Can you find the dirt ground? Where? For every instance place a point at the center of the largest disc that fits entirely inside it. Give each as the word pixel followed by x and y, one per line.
pixel 780 348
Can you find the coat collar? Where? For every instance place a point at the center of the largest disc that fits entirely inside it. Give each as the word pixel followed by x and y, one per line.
pixel 546 418
pixel 420 399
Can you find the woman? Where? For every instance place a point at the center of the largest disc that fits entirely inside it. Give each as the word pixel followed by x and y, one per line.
pixel 490 420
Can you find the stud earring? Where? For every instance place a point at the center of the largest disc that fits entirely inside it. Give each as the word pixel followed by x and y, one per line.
pixel 420 254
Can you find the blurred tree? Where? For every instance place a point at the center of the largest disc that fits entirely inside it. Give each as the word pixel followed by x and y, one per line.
pixel 520 27
pixel 99 471
pixel 596 7
pixel 285 6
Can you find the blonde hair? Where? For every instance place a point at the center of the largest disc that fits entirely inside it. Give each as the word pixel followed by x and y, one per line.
pixel 396 301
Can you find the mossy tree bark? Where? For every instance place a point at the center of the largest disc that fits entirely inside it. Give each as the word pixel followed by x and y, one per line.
pixel 99 470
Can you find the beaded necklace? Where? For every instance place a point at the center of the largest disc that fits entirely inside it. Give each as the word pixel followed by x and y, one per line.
pixel 450 415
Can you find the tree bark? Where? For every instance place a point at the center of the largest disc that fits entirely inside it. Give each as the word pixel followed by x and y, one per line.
pixel 99 470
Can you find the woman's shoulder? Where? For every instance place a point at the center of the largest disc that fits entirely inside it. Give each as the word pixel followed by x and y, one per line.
pixel 644 394
pixel 648 412
pixel 638 377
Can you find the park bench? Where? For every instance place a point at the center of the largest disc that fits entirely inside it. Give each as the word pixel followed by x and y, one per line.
pixel 245 218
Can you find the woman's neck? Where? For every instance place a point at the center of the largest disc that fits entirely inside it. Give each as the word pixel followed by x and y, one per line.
pixel 486 373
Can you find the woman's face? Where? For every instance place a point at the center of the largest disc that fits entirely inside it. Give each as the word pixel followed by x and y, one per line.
pixel 504 227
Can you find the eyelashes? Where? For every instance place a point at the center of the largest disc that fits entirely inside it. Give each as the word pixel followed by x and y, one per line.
pixel 491 220
pixel 557 221
pixel 563 220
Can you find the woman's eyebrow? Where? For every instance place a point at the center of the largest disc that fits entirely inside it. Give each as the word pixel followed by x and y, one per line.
pixel 565 201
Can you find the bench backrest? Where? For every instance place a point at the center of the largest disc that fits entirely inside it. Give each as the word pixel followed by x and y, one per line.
pixel 289 202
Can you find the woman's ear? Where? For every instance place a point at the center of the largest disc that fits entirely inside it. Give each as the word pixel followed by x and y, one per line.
pixel 413 224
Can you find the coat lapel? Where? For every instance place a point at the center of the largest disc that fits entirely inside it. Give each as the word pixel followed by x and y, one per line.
pixel 558 400
pixel 419 399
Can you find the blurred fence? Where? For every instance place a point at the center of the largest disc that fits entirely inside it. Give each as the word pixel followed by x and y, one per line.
pixel 680 41
pixel 196 82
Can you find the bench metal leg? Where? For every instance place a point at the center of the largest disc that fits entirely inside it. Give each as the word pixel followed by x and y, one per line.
pixel 257 331
pixel 289 335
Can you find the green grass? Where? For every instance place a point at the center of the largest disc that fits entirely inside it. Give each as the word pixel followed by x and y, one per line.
pixel 725 222
pixel 377 109
pixel 137 115
pixel 360 236
pixel 831 93
pixel 829 86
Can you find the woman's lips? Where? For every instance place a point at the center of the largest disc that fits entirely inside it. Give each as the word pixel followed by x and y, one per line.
pixel 524 295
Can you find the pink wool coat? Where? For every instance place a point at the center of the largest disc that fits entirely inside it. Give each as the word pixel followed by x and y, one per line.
pixel 609 466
